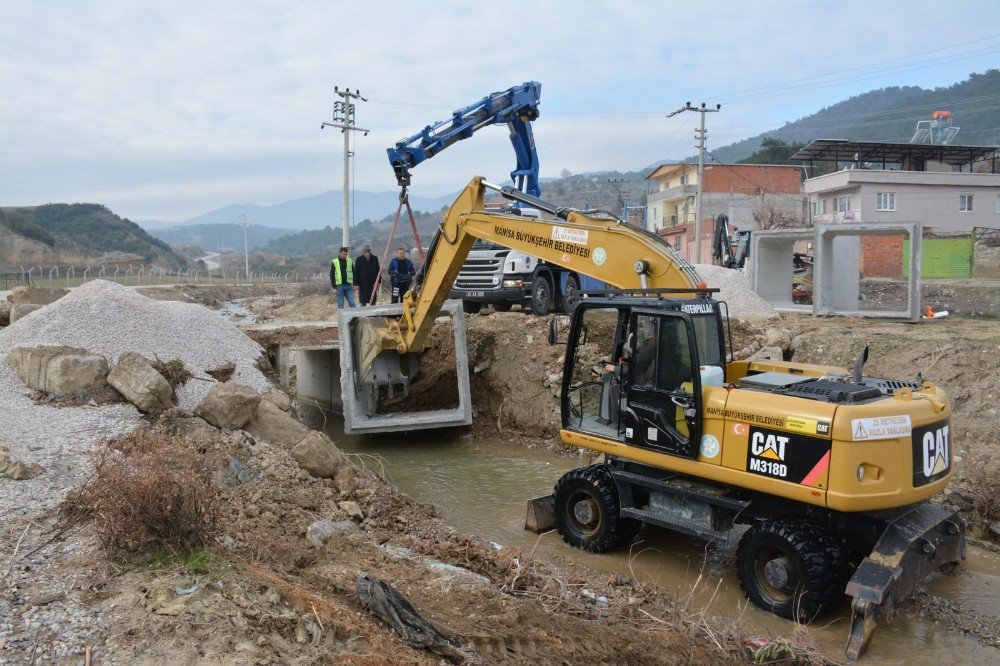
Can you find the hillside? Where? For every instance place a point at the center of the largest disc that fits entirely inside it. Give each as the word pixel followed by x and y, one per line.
pixel 318 211
pixel 78 234
pixel 213 236
pixel 891 114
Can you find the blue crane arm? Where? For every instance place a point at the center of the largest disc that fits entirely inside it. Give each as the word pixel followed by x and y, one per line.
pixel 515 107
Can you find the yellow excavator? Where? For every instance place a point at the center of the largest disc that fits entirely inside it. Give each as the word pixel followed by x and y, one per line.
pixel 831 470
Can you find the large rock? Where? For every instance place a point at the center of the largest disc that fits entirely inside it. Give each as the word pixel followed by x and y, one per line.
pixel 275 426
pixel 61 371
pixel 318 455
pixel 22 310
pixel 198 431
pixel 36 295
pixel 5 308
pixel 279 398
pixel 229 405
pixel 139 382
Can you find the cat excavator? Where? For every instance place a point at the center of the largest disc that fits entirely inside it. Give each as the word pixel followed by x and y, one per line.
pixel 828 472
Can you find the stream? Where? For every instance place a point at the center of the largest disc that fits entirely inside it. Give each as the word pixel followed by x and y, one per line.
pixel 481 487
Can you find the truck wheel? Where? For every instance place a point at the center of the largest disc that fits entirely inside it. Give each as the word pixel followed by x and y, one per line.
pixel 471 307
pixel 502 307
pixel 792 568
pixel 571 294
pixel 587 510
pixel 541 296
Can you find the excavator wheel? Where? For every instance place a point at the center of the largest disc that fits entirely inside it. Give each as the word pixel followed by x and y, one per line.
pixel 587 510
pixel 792 568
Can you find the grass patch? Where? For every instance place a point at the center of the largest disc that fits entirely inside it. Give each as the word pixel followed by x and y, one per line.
pixel 175 372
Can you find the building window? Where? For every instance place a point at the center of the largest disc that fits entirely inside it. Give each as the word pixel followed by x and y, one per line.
pixel 842 204
pixel 964 203
pixel 819 207
pixel 677 243
pixel 684 179
pixel 656 213
pixel 885 201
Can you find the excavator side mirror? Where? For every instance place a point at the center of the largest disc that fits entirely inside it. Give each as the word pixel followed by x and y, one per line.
pixel 559 330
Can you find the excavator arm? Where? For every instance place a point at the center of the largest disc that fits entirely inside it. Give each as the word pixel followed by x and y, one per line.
pixel 623 256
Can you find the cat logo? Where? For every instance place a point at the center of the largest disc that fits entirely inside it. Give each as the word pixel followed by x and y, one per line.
pixel 768 445
pixel 935 444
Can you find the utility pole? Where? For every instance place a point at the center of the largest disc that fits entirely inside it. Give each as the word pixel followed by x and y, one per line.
pixel 343 117
pixel 700 134
pixel 246 246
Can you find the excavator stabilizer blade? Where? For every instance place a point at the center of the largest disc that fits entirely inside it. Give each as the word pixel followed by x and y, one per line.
pixel 376 380
pixel 913 545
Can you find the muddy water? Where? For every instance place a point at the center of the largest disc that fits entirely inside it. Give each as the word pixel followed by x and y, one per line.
pixel 481 487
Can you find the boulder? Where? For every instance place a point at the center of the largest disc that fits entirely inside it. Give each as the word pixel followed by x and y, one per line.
pixel 199 431
pixel 36 295
pixel 60 371
pixel 275 426
pixel 279 399
pixel 321 530
pixel 318 455
pixel 352 509
pixel 344 480
pixel 139 383
pixel 5 308
pixel 21 310
pixel 228 405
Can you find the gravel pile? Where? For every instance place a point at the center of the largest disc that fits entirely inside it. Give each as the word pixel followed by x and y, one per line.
pixel 736 291
pixel 107 319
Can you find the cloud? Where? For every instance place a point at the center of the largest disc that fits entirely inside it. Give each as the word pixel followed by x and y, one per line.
pixel 170 109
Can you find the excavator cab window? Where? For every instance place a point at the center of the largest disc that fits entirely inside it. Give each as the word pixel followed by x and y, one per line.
pixel 663 389
pixel 596 362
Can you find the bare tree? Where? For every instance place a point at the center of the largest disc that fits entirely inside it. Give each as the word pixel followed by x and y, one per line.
pixel 769 213
pixel 565 173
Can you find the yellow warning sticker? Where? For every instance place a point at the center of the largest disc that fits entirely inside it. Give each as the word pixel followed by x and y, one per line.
pixel 799 424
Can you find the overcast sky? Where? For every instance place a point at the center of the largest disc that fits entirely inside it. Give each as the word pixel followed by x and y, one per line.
pixel 165 110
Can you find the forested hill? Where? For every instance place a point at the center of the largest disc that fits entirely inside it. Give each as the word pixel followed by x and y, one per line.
pixel 891 114
pixel 78 233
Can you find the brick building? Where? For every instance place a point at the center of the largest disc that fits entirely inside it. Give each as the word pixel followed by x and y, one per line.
pixel 743 192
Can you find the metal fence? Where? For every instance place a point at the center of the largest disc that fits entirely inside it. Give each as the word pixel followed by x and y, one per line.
pixel 138 276
pixel 10 280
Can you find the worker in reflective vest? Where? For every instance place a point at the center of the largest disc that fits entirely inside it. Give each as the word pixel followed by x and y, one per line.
pixel 343 279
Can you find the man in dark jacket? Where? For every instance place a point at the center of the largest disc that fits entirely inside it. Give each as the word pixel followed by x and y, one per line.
pixel 366 268
pixel 343 278
pixel 401 273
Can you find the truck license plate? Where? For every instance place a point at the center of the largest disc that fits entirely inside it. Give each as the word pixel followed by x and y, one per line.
pixel 473 294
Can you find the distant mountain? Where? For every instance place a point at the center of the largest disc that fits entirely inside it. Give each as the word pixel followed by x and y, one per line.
pixel 891 114
pixel 149 225
pixel 212 237
pixel 319 211
pixel 78 234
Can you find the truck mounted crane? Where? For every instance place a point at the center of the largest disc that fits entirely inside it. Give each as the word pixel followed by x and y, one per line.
pixel 830 470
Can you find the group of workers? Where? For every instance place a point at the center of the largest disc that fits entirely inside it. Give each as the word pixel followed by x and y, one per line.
pixel 362 275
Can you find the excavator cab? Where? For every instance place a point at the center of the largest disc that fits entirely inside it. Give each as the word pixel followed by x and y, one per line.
pixel 634 370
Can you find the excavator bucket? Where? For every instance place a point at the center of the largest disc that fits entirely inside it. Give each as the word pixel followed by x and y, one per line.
pixel 385 391
pixel 913 545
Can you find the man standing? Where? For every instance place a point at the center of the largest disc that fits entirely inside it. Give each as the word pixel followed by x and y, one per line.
pixel 401 273
pixel 343 279
pixel 367 272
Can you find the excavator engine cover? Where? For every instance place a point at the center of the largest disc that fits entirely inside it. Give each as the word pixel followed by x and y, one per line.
pixel 370 373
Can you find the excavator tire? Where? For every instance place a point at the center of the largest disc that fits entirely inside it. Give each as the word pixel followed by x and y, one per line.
pixel 792 568
pixel 587 510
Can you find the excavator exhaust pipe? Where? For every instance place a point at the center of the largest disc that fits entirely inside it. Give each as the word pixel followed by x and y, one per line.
pixel 377 384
